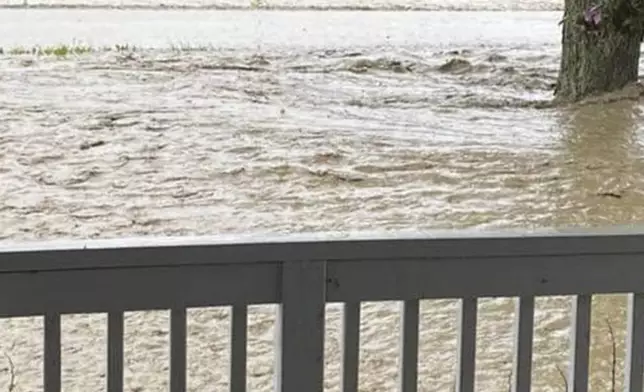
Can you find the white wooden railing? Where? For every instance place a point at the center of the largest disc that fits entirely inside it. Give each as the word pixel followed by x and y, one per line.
pixel 302 274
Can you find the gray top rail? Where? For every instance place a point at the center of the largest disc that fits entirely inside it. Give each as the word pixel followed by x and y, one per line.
pixel 184 251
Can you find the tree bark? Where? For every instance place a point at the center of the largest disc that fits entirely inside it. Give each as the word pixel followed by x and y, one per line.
pixel 599 58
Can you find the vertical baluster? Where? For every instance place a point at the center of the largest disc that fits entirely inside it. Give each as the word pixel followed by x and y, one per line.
pixel 350 346
pixel 634 363
pixel 580 337
pixel 178 350
pixel 523 335
pixel 467 345
pixel 52 376
pixel 115 352
pixel 238 337
pixel 409 347
pixel 300 329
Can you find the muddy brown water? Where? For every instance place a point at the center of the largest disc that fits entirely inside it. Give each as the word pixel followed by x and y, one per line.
pixel 299 122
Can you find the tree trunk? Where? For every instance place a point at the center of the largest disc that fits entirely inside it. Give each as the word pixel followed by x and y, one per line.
pixel 601 57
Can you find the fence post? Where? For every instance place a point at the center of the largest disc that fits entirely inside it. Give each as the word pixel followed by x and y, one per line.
pixel 300 327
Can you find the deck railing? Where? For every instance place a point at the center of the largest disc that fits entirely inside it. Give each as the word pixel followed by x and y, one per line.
pixel 303 274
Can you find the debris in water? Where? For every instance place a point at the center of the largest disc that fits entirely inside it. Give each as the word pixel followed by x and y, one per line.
pixel 457 52
pixel 337 176
pixel 610 194
pixel 88 145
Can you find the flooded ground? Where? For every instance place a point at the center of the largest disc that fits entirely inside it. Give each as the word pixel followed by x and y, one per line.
pixel 222 122
pixel 479 5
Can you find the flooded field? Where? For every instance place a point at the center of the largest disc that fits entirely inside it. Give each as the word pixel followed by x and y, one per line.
pixel 248 122
pixel 479 5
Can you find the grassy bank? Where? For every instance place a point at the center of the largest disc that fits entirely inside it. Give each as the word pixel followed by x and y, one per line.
pixel 64 50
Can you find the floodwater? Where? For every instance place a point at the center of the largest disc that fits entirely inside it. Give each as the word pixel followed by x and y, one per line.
pixel 479 5
pixel 283 121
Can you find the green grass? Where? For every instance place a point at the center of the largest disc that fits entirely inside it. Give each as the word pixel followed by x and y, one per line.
pixel 62 51
pixel 257 4
pixel 185 47
pixel 65 50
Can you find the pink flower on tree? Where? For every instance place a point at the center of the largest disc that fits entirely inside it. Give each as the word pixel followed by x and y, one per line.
pixel 593 16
